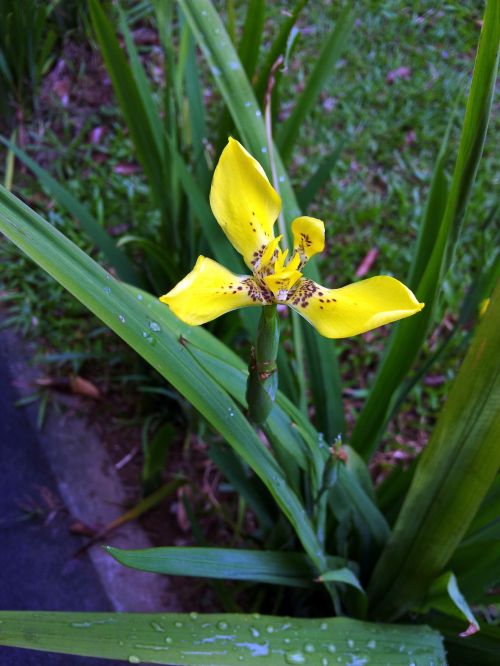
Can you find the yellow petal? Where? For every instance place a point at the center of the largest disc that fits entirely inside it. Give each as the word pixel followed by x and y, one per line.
pixel 357 308
pixel 244 201
pixel 209 291
pixel 308 237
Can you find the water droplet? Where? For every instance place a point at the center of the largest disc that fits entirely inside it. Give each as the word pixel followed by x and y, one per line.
pixel 324 661
pixel 372 644
pixel 168 640
pixel 286 641
pixel 140 297
pixel 79 625
pixel 323 626
pixel 222 625
pixel 157 626
pixel 234 65
pixel 154 326
pixel 331 648
pixel 230 411
pixel 269 629
pixel 241 657
pixel 147 337
pixel 215 71
pixel 107 290
pixel 255 632
pixel 263 149
pixel 121 318
pixel 193 615
pixel 247 104
pixel 401 648
pixel 281 179
pixel 204 12
pixel 309 647
pixel 133 659
pixel 350 643
pixel 256 616
pixel 258 113
pixel 295 657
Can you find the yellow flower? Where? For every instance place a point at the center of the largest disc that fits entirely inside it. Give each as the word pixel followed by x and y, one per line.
pixel 246 206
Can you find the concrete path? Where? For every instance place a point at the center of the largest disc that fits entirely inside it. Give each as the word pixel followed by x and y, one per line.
pixel 47 481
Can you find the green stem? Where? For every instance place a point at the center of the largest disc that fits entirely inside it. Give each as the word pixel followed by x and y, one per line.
pixel 263 371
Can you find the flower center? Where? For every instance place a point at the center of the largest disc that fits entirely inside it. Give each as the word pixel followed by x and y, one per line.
pixel 274 273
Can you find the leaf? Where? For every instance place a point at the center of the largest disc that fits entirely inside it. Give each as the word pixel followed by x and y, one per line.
pixel 276 568
pixel 451 480
pixel 409 335
pixel 444 595
pixel 248 49
pixel 135 100
pixel 343 575
pixel 220 640
pixel 323 68
pixel 90 225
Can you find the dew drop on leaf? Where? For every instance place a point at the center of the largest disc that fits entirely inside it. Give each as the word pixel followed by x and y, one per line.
pixel 295 657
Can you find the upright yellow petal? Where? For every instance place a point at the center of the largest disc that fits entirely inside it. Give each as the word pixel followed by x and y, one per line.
pixel 209 291
pixel 244 202
pixel 308 237
pixel 357 308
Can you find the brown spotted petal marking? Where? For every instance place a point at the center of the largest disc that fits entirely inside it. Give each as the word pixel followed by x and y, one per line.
pixel 246 206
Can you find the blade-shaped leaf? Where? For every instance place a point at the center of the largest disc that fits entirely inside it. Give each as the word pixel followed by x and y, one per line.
pixel 261 566
pixel 89 224
pixel 451 480
pixel 221 640
pixel 343 575
pixel 135 102
pixel 323 68
pixel 410 334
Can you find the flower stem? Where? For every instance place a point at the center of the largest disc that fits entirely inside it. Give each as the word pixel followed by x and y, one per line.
pixel 263 371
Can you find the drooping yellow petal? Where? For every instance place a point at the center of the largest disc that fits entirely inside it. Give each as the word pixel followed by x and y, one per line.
pixel 243 201
pixel 357 308
pixel 209 291
pixel 308 237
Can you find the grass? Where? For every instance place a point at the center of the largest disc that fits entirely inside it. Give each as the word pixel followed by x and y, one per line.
pixel 375 197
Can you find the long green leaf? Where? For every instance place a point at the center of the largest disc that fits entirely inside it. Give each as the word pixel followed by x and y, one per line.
pixel 149 328
pixel 252 35
pixel 409 335
pixel 260 566
pixel 221 640
pixel 277 48
pixel 323 68
pixel 451 480
pixel 135 103
pixel 89 224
